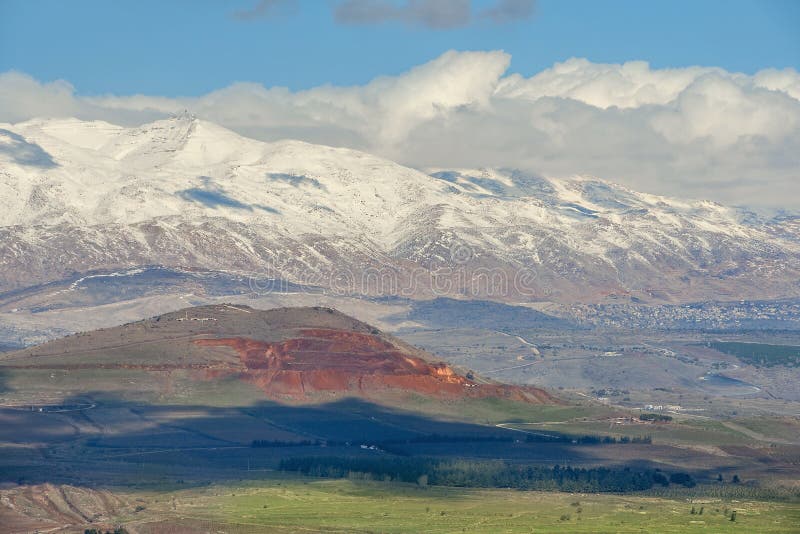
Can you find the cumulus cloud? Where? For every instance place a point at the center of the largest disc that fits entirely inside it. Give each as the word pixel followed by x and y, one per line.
pixel 695 132
pixel 629 85
pixel 22 97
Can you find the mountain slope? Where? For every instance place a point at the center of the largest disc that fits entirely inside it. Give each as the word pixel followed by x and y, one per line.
pixel 78 196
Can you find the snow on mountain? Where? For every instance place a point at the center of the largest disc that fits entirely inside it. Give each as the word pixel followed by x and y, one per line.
pixel 78 196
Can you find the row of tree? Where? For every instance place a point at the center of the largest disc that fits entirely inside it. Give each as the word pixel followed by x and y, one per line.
pixel 655 417
pixel 387 444
pixel 483 474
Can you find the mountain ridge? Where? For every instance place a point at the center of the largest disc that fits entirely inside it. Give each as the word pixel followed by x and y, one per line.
pixel 91 195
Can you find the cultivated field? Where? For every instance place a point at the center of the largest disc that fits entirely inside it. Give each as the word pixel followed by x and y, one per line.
pixel 313 505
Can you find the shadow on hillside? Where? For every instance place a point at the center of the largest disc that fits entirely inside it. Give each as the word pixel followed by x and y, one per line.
pixel 445 312
pixel 23 152
pixel 98 440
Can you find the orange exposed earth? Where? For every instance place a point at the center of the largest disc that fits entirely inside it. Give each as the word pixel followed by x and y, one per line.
pixel 340 361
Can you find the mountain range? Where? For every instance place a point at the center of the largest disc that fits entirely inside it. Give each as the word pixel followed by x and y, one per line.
pixel 79 197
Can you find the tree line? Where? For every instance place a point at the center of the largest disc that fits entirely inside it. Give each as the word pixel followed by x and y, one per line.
pixel 484 474
pixel 655 417
pixel 388 444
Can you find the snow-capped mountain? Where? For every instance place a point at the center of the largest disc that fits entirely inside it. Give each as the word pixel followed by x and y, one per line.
pixel 80 196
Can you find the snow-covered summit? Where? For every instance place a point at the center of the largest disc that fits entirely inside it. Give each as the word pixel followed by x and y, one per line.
pixel 78 195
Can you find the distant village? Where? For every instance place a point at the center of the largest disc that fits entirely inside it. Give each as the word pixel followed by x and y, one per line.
pixel 750 315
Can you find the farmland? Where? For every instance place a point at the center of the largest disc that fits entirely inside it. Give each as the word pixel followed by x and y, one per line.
pixel 316 505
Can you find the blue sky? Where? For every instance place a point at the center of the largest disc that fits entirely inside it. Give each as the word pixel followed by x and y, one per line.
pixel 190 47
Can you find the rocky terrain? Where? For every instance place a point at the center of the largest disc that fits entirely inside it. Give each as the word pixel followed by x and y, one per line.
pixel 57 508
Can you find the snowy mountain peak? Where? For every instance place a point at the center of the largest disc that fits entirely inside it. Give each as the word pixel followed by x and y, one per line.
pixel 184 191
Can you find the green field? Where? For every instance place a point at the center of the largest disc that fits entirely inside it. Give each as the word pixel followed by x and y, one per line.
pixel 760 354
pixel 775 428
pixel 684 432
pixel 313 505
pixel 495 410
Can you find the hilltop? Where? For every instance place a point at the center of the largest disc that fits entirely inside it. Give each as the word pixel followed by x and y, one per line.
pixel 290 354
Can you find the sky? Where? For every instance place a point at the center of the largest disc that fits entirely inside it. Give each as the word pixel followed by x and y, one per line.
pixel 682 98
pixel 191 47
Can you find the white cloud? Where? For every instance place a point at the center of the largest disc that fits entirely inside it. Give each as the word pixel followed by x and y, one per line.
pixel 697 131
pixel 786 80
pixel 629 85
pixel 717 108
pixel 22 97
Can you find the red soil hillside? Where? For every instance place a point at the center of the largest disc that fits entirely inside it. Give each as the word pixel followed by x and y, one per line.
pixel 289 353
pixel 339 361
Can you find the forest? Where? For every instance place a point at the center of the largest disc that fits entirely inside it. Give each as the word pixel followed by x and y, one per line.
pixel 484 474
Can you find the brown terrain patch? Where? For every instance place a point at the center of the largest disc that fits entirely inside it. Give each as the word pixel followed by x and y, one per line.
pixel 48 508
pixel 340 361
